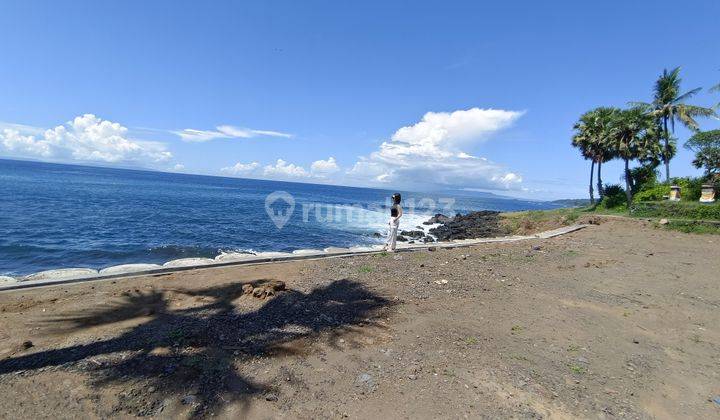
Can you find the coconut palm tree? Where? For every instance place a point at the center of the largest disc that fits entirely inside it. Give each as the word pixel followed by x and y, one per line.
pixel 669 105
pixel 602 149
pixel 582 140
pixel 591 133
pixel 631 132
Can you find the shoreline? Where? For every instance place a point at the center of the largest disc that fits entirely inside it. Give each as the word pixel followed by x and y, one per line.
pixel 75 275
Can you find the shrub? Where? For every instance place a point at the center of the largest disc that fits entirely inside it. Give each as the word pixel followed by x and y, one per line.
pixel 690 188
pixel 613 197
pixel 677 210
pixel 656 193
pixel 643 178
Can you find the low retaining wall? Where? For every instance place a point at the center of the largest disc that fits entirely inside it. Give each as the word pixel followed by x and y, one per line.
pixel 75 275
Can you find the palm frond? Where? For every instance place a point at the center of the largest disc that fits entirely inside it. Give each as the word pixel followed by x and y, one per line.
pixel 686 95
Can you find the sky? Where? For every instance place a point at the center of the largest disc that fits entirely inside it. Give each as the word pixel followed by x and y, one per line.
pixel 412 95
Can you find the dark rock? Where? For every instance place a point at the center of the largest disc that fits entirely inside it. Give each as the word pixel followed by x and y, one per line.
pixel 27 344
pixel 415 234
pixel 401 238
pixel 438 218
pixel 479 224
pixel 376 235
pixel 428 239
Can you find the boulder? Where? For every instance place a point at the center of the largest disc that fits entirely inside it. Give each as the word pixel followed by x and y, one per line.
pixel 273 254
pixel 189 262
pixel 128 268
pixel 234 256
pixel 62 274
pixel 415 234
pixel 336 250
pixel 307 252
pixel 6 280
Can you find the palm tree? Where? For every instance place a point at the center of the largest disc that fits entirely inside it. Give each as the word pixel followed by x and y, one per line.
pixel 581 140
pixel 668 105
pixel 630 132
pixel 591 133
pixel 602 149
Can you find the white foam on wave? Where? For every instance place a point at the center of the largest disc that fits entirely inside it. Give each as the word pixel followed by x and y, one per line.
pixel 361 220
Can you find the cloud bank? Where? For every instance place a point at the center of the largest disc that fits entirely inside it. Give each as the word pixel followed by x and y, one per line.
pixel 86 138
pixel 427 154
pixel 284 171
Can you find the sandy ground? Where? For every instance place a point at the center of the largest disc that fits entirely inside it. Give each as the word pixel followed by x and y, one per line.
pixel 616 320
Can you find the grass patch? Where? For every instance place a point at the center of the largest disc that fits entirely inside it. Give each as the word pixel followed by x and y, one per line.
pixel 578 370
pixel 676 210
pixel 365 269
pixel 690 226
pixel 523 222
pixel 516 328
pixel 471 341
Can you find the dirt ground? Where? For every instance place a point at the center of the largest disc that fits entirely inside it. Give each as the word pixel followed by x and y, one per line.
pixel 618 320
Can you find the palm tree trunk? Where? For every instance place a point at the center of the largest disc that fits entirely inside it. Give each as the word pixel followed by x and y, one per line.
pixel 628 187
pixel 666 152
pixel 592 170
pixel 599 183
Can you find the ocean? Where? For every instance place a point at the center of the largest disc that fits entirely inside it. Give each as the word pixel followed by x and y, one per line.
pixel 60 216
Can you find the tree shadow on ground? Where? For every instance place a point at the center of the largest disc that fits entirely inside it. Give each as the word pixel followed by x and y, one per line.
pixel 194 351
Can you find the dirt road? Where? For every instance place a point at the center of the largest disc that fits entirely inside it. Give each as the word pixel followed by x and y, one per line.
pixel 616 320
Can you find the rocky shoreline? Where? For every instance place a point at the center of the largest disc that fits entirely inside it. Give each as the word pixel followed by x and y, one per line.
pixel 477 224
pixel 442 228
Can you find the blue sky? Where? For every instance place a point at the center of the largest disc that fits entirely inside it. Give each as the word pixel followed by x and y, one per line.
pixel 327 86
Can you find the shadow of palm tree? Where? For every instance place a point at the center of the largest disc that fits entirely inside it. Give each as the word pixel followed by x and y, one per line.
pixel 194 351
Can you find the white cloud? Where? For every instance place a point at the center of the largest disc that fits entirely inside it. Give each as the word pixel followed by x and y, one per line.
pixel 420 156
pixel 86 138
pixel 324 167
pixel 226 132
pixel 427 154
pixel 178 167
pixel 284 171
pixel 241 169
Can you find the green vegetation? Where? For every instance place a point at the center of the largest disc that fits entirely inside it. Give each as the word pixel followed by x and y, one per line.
pixel 365 269
pixel 669 105
pixel 471 341
pixel 676 210
pixel 693 226
pixel 577 369
pixel 706 146
pixel 643 133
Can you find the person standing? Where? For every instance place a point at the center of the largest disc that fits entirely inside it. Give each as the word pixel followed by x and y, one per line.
pixel 395 215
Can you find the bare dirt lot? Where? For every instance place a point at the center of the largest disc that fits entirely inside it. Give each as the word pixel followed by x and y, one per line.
pixel 618 320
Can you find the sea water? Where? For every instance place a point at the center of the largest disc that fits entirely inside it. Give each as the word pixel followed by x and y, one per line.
pixel 56 216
